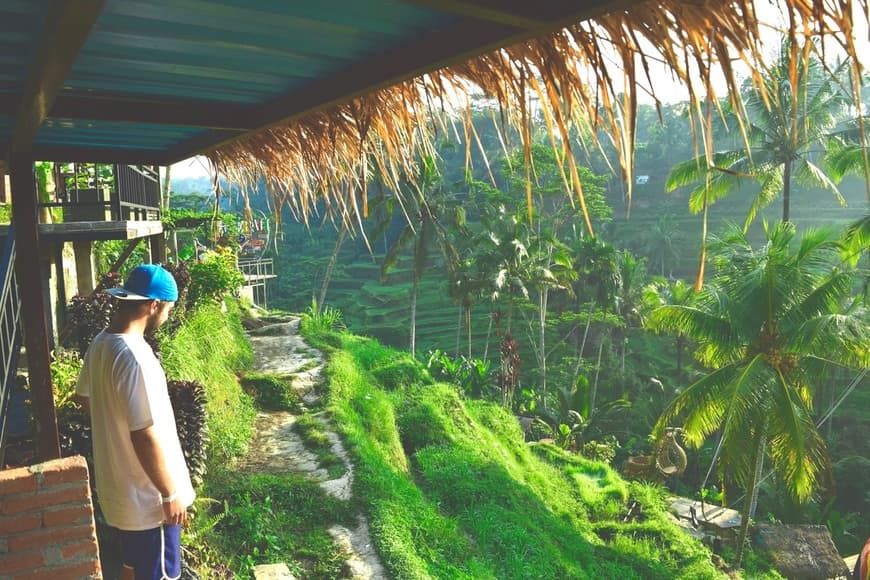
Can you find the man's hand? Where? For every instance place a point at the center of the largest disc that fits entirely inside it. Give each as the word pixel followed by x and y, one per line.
pixel 174 513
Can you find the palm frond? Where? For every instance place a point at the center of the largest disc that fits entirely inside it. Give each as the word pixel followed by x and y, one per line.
pixel 796 449
pixel 771 186
pixel 703 401
pixel 843 339
pixel 405 239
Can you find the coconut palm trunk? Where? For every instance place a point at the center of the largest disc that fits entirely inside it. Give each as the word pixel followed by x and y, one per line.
pixel 413 342
pixel 542 337
pixel 786 190
pixel 468 327
pixel 327 275
pixel 751 500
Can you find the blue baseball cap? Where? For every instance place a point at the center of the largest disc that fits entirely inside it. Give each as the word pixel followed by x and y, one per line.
pixel 148 282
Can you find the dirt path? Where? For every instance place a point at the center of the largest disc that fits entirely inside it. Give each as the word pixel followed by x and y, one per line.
pixel 276 448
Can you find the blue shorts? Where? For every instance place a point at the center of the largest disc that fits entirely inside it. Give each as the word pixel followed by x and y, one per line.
pixel 153 554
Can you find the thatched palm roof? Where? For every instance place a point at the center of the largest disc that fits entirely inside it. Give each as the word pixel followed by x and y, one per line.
pixel 801 551
pixel 588 75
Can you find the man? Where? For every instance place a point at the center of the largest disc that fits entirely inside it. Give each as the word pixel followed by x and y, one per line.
pixel 142 481
pixel 862 565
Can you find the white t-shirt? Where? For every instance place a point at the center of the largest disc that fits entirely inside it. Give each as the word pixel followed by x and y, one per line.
pixel 126 388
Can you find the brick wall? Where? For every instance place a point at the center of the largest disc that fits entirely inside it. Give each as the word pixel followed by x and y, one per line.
pixel 47 522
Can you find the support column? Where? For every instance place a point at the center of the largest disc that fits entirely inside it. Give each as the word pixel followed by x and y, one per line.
pixel 4 184
pixel 33 306
pixel 157 244
pixel 84 253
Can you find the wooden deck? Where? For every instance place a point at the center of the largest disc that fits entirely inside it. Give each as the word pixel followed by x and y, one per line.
pixel 96 230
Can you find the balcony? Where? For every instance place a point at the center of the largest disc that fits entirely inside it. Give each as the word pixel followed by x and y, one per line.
pixel 95 201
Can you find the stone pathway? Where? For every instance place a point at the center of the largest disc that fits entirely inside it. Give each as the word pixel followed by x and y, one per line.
pixel 279 349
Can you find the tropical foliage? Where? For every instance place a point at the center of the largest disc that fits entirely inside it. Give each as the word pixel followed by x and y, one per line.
pixel 771 326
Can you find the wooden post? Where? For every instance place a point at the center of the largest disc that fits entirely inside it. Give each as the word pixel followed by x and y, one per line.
pixel 157 246
pixel 83 250
pixel 33 306
pixel 4 187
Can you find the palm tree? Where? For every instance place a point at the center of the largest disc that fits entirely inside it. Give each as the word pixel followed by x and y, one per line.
pixel 427 212
pixel 799 107
pixel 770 326
pixel 674 293
pixel 663 242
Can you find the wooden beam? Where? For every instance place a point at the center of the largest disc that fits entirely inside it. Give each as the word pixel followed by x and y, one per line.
pixel 120 109
pixel 99 155
pixel 522 15
pixel 67 26
pixel 228 117
pixel 33 305
pixel 4 193
pixel 468 38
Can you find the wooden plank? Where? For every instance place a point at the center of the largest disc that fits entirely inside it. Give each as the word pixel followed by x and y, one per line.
pixel 67 26
pixel 466 39
pixel 33 305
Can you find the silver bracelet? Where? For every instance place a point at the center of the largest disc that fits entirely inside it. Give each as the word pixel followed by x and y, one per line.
pixel 169 498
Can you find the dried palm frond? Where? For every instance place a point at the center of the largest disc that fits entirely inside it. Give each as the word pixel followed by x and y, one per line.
pixel 586 76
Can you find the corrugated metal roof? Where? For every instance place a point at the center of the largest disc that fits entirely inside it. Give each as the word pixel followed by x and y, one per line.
pixel 20 28
pixel 100 134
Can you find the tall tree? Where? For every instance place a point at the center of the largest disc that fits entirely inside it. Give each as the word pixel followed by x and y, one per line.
pixel 428 211
pixel 771 325
pixel 792 117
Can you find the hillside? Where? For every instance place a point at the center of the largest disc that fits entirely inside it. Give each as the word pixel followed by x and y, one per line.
pixel 452 490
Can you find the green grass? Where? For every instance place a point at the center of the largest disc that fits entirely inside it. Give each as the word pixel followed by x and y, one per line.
pixel 261 519
pixel 210 347
pixel 245 519
pixel 272 392
pixel 453 491
pixel 317 441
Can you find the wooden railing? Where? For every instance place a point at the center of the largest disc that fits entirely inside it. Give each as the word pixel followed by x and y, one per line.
pixel 10 334
pixel 255 270
pixel 104 192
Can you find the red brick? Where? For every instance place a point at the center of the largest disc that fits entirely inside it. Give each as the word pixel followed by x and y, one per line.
pixel 17 480
pixel 47 498
pixel 83 570
pixel 86 548
pixel 44 537
pixel 21 562
pixel 65 470
pixel 19 523
pixel 65 516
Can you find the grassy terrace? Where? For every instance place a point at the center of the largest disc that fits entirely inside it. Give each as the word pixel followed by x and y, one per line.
pixel 449 485
pixel 452 490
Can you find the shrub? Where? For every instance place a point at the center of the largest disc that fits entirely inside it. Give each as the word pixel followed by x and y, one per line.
pixel 191 419
pixel 65 368
pixel 213 277
pixel 88 315
pixel 472 374
pixel 322 319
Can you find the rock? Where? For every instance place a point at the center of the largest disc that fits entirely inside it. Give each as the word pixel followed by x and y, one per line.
pixel 273 572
